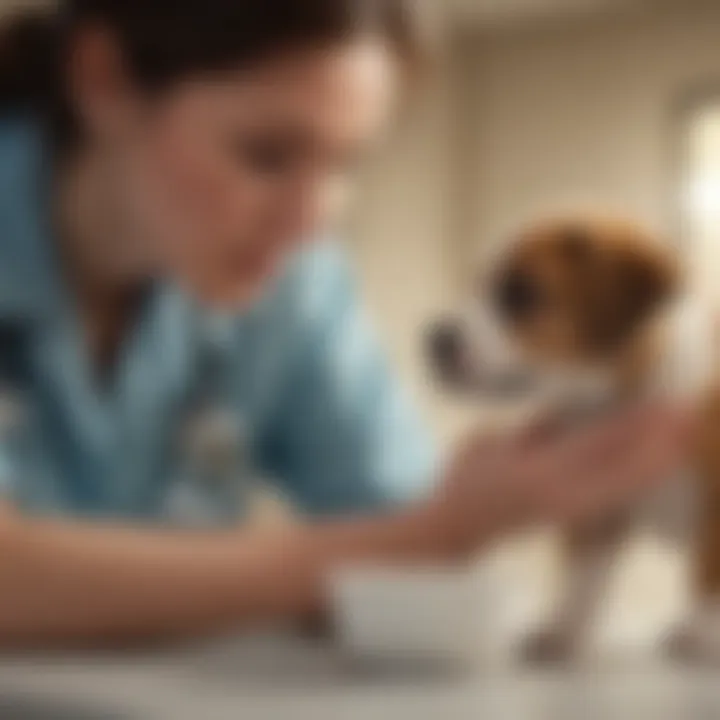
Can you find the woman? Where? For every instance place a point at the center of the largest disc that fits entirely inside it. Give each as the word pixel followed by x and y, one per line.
pixel 166 170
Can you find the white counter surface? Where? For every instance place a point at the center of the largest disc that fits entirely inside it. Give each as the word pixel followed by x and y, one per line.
pixel 275 678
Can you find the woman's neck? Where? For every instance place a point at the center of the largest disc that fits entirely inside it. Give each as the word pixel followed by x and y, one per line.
pixel 93 232
pixel 95 240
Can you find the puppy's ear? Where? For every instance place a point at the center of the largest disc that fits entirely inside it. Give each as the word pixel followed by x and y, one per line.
pixel 644 281
pixel 651 279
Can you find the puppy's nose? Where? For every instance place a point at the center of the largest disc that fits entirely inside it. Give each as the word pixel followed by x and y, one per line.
pixel 445 343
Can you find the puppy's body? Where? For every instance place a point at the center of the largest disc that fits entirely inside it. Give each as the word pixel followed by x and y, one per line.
pixel 680 362
pixel 675 357
pixel 683 365
pixel 600 305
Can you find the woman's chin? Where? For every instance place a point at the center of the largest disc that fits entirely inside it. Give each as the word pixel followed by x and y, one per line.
pixel 227 291
pixel 236 296
pixel 230 300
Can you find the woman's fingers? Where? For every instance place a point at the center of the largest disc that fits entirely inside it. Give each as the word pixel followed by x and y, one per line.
pixel 599 437
pixel 648 453
pixel 565 476
pixel 657 441
pixel 660 450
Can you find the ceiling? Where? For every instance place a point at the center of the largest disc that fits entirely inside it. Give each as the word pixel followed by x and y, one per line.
pixel 491 12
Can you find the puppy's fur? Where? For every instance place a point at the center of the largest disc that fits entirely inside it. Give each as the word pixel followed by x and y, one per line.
pixel 588 310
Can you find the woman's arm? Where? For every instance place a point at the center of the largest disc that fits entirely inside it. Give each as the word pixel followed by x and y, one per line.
pixel 65 583
pixel 70 584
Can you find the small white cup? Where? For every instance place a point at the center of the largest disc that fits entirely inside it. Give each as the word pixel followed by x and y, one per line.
pixel 408 617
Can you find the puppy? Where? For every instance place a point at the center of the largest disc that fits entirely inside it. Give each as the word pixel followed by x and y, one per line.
pixel 581 313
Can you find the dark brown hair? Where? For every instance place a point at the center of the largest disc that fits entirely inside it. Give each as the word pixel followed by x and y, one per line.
pixel 164 41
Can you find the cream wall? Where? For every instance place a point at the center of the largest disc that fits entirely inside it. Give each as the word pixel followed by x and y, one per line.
pixel 587 112
pixel 584 111
pixel 400 233
pixel 702 198
pixel 517 121
pixel 522 120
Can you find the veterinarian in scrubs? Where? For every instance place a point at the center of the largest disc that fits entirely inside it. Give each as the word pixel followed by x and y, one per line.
pixel 175 320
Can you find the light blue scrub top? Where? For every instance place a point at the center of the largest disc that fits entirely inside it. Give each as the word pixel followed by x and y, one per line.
pixel 300 372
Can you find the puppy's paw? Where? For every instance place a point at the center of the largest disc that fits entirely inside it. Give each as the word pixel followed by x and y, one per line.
pixel 548 647
pixel 679 644
pixel 317 627
pixel 686 644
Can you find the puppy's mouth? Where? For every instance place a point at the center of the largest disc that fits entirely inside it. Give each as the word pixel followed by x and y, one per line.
pixel 458 370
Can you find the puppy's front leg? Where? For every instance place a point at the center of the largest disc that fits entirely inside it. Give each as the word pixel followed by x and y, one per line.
pixel 698 637
pixel 590 555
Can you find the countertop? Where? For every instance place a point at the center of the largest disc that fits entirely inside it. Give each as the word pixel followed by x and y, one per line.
pixel 277 677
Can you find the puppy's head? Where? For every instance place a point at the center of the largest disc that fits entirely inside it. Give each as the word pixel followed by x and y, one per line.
pixel 567 297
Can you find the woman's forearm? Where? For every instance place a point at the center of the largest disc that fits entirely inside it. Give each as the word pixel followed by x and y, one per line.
pixel 72 583
pixel 67 583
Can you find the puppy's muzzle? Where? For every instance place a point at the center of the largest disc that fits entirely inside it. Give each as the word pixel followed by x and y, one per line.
pixel 446 350
pixel 454 364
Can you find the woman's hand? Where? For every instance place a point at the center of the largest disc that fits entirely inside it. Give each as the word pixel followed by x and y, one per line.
pixel 547 475
pixel 72 583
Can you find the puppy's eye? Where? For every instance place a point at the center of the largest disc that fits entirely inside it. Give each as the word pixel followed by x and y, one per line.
pixel 518 296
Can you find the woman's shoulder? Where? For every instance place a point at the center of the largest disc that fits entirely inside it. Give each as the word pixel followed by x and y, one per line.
pixel 309 293
pixel 21 149
pixel 299 307
pixel 23 168
pixel 25 268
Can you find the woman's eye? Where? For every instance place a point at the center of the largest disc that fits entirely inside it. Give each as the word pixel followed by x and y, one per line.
pixel 273 156
pixel 266 156
pixel 347 164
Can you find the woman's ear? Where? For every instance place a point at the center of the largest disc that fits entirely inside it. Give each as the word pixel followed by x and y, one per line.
pixel 98 83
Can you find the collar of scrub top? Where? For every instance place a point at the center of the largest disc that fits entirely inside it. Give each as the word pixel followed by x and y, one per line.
pixel 28 283
pixel 187 342
pixel 31 289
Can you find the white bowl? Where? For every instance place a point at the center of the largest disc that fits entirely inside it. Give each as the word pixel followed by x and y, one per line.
pixel 428 616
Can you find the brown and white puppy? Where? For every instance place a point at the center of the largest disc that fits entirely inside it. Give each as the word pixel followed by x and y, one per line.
pixel 581 313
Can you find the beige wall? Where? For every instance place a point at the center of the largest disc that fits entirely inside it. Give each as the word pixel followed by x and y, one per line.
pixel 582 111
pixel 702 196
pixel 516 122
pixel 400 234
pixel 586 112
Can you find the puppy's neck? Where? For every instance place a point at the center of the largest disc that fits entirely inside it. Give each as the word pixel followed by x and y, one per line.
pixel 636 368
pixel 629 378
pixel 675 355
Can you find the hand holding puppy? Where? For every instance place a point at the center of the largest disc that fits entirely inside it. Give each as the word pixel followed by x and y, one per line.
pixel 553 475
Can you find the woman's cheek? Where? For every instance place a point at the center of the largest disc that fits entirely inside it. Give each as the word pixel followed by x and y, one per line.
pixel 226 259
pixel 214 222
pixel 192 202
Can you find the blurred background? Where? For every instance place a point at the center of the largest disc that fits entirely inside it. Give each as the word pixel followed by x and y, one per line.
pixel 534 106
